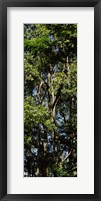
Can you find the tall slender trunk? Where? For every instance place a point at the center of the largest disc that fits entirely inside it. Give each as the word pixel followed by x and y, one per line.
pixel 45 160
pixel 38 153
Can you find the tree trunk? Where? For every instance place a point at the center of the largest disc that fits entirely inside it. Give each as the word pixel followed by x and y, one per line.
pixel 38 154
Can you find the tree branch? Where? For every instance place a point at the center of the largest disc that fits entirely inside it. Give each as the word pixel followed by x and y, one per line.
pixel 57 96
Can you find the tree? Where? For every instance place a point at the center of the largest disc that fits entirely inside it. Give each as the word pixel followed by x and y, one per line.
pixel 50 100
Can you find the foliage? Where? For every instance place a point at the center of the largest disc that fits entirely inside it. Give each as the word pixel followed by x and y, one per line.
pixel 50 100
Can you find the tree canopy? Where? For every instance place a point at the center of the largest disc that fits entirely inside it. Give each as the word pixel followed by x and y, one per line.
pixel 50 100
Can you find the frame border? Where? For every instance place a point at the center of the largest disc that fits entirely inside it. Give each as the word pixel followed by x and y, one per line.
pixel 97 98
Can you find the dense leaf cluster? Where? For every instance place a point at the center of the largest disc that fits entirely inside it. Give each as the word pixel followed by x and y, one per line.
pixel 50 100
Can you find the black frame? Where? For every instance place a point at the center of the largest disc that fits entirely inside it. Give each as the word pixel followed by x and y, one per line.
pixel 97 97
